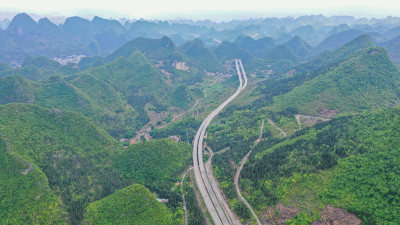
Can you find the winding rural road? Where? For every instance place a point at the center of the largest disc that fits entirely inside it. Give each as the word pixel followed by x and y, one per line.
pixel 208 187
pixel 237 175
pixel 183 195
pixel 280 130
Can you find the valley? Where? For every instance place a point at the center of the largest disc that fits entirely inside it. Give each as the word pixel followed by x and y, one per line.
pixel 291 120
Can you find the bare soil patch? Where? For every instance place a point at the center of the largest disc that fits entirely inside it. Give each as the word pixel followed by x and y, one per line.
pixel 326 113
pixel 336 216
pixel 278 215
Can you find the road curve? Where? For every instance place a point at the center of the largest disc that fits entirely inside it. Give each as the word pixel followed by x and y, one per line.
pixel 237 176
pixel 183 195
pixel 244 74
pixel 213 199
pixel 280 130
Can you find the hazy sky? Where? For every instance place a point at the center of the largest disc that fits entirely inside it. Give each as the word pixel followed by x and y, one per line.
pixel 215 9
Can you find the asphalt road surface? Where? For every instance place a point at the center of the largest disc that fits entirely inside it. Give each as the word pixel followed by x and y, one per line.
pixel 208 187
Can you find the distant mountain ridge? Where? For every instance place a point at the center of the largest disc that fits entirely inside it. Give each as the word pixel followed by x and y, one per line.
pixel 100 37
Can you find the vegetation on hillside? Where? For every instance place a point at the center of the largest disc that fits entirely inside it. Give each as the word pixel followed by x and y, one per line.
pixel 157 164
pixel 90 97
pixel 25 194
pixel 367 81
pixel 131 205
pixel 350 162
pixel 71 151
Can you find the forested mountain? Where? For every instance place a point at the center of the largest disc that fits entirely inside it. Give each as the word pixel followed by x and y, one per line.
pixel 56 162
pixel 319 113
pixel 157 164
pixel 227 51
pixel 392 33
pixel 113 94
pixel 200 55
pixel 24 201
pixel 353 78
pixel 164 54
pixel 61 150
pixel 101 102
pixel 393 48
pixel 338 39
pixel 257 47
pixel 295 50
pixel 99 37
pixel 350 162
pixel 365 82
pixel 319 65
pixel 131 205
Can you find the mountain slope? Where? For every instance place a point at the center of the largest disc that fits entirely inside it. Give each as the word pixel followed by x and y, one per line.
pixel 256 47
pixel 229 51
pixel 349 162
pixel 321 64
pixel 138 81
pixel 90 97
pixel 392 33
pixel 200 55
pixel 164 55
pixel 131 205
pixel 71 151
pixel 367 81
pixel 393 48
pixel 155 163
pixel 338 39
pixel 163 48
pixel 26 196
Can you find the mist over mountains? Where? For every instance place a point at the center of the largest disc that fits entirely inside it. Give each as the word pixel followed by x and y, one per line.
pixel 24 36
pixel 98 120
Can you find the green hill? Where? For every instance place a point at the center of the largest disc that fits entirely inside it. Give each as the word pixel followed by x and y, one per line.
pixel 163 54
pixel 349 162
pixel 200 55
pixel 68 149
pixel 229 51
pixel 131 205
pixel 112 110
pixel 321 64
pixel 41 62
pixel 156 164
pixel 393 48
pixel 365 82
pixel 137 80
pixel 295 50
pixel 16 89
pixel 161 49
pixel 336 40
pixel 90 96
pixel 25 197
pixel 301 49
pixel 39 68
pixel 257 47
pixel 130 72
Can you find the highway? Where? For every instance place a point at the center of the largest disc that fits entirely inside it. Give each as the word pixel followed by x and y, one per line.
pixel 208 187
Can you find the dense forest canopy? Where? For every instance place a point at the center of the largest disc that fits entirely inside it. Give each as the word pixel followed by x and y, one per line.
pixel 98 117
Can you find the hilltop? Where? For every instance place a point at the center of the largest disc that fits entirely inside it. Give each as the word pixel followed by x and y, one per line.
pixel 131 205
